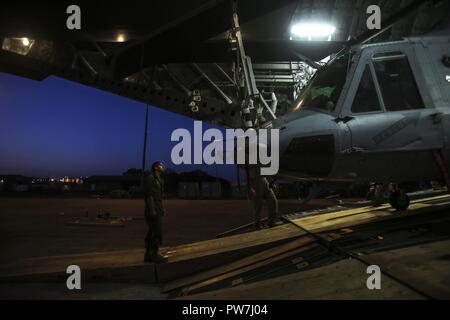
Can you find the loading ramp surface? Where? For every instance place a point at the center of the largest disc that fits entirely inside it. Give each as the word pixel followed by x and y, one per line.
pixel 319 254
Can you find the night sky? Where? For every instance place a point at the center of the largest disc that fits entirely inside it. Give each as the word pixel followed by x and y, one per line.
pixel 56 128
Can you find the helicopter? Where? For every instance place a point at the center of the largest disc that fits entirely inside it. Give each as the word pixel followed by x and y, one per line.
pixel 378 112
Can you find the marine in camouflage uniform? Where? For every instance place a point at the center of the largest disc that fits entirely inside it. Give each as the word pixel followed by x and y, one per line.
pixel 260 189
pixel 154 211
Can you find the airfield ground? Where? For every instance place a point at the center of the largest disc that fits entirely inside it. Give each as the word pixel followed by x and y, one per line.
pixel 325 247
pixel 36 227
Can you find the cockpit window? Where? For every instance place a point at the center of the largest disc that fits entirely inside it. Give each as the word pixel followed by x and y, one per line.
pixel 397 83
pixel 325 87
pixel 366 99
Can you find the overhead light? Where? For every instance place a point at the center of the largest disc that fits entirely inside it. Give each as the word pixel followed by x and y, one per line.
pixel 312 30
pixel 26 42
pixel 120 37
pixel 20 46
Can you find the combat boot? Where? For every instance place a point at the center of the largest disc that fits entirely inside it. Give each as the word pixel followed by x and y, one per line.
pixel 271 223
pixel 157 257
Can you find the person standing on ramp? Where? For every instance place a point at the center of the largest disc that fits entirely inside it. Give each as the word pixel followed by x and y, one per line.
pixel 154 211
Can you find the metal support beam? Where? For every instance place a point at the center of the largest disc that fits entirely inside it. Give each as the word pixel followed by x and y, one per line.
pixel 267 106
pixel 177 81
pixel 190 30
pixel 244 68
pixel 212 84
pixel 225 74
pixel 307 60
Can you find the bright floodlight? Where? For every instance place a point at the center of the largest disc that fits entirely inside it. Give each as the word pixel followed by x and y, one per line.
pixel 120 37
pixel 312 30
pixel 25 42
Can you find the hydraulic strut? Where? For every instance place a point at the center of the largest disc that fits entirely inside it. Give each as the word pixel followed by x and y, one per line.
pixel 253 102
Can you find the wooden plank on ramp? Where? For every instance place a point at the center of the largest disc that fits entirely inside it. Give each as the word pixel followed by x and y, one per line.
pixel 345 279
pixel 239 266
pixel 359 216
pixel 196 257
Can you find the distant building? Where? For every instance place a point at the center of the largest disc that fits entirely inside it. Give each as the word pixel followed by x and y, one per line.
pixel 283 190
pixel 15 183
pixel 43 180
pixel 188 185
pixel 107 184
pixel 239 191
pixel 20 188
pixel 68 180
pixel 211 189
pixel 188 190
pixel 196 190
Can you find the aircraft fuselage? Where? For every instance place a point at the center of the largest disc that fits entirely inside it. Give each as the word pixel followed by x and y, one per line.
pixel 377 113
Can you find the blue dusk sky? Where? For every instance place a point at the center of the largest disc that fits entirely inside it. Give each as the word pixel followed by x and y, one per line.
pixel 55 128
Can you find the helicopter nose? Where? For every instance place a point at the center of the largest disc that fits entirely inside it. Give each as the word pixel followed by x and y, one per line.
pixel 307 145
